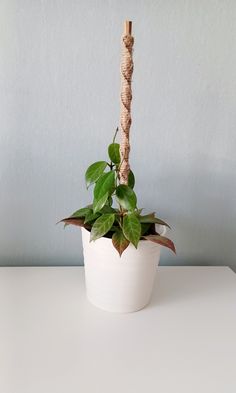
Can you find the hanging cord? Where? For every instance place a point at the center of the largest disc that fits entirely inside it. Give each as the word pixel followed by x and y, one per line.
pixel 126 98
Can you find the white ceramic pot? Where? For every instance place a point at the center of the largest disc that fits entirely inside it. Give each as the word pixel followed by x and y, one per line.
pixel 119 284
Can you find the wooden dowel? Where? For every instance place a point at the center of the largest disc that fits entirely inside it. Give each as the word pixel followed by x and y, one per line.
pixel 128 27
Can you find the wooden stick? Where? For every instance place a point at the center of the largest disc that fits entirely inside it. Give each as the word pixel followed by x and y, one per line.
pixel 128 27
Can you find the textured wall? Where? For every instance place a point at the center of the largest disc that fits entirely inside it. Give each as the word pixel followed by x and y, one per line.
pixel 59 103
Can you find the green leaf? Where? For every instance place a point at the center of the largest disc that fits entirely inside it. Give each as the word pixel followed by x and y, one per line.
pixel 91 217
pixel 105 184
pixel 132 228
pixel 150 218
pixel 119 241
pixel 94 171
pixel 82 212
pixel 162 240
pixel 114 152
pixel 108 209
pixel 101 226
pixel 98 204
pixel 126 197
pixel 131 179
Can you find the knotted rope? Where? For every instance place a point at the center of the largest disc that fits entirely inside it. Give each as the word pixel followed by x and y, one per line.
pixel 126 97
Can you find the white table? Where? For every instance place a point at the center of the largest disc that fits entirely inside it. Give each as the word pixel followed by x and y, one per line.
pixel 53 341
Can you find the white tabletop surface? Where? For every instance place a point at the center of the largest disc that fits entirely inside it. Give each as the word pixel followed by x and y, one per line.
pixel 53 341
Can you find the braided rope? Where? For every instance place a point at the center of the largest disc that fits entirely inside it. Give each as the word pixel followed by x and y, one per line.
pixel 126 97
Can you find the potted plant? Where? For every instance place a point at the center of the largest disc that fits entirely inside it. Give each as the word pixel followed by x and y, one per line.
pixel 121 245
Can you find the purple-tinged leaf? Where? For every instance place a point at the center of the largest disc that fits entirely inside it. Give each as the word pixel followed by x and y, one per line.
pixel 73 221
pixel 162 240
pixel 119 242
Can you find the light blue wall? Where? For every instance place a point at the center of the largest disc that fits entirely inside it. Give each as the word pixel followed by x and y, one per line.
pixel 59 103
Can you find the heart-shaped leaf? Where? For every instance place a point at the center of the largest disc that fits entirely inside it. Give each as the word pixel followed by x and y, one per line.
pixel 131 179
pixel 150 218
pixel 105 184
pixel 126 197
pixel 98 204
pixel 162 240
pixel 101 226
pixel 132 228
pixel 119 241
pixel 94 171
pixel 114 152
